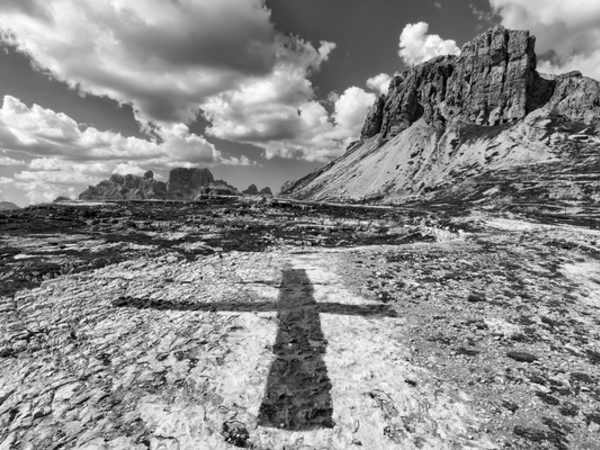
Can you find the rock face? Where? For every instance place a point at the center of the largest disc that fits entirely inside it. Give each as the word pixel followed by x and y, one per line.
pixel 488 84
pixel 185 183
pixel 252 190
pixel 131 187
pixel 455 117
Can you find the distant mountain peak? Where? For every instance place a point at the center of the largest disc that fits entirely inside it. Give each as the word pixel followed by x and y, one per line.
pixel 184 184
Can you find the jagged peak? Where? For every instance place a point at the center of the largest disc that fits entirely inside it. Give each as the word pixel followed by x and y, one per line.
pixel 493 81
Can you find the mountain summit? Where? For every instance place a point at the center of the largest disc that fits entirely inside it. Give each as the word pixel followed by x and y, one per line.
pixel 481 125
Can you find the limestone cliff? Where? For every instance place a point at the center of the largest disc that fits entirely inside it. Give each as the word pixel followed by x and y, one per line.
pixel 183 184
pixel 8 206
pixel 449 120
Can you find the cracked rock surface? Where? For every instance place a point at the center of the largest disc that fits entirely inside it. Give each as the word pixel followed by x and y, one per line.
pixel 292 326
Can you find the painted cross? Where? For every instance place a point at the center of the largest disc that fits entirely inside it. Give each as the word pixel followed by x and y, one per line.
pixel 298 390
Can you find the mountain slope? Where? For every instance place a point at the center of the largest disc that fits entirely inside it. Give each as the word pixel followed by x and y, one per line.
pixel 184 184
pixel 8 206
pixel 453 123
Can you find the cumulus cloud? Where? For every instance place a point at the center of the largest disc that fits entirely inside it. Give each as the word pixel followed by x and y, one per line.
pixel 163 57
pixel 303 130
pixel 379 83
pixel 172 60
pixel 42 132
pixel 416 46
pixel 278 114
pixel 568 33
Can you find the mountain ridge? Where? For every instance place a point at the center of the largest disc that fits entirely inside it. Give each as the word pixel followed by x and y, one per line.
pixel 452 119
pixel 183 184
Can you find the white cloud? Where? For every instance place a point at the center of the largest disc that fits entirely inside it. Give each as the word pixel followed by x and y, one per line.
pixel 416 46
pixel 8 162
pixel 321 137
pixel 379 83
pixel 568 33
pixel 172 60
pixel 41 132
pixel 266 108
pixel 351 109
pixel 164 57
pixel 277 113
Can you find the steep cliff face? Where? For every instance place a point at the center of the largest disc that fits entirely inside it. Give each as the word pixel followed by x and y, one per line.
pixel 185 183
pixel 488 84
pixel 454 118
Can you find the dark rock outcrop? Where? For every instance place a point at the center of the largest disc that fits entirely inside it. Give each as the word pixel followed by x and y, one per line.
pixel 266 192
pixel 185 183
pixel 252 190
pixel 372 125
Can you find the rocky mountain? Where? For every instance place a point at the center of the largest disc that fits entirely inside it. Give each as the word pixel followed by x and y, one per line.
pixel 484 125
pixel 253 190
pixel 184 183
pixel 8 206
pixel 266 192
pixel 130 187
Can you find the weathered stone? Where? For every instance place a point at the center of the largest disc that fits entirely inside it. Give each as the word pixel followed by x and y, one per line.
pixel 493 81
pixel 521 356
pixel 185 183
pixel 487 84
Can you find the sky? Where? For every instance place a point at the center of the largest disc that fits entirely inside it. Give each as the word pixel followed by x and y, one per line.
pixel 261 92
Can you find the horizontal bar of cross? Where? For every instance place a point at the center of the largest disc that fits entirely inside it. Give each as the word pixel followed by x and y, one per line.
pixel 249 306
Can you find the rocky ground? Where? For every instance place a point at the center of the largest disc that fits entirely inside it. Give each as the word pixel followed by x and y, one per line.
pixel 270 325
